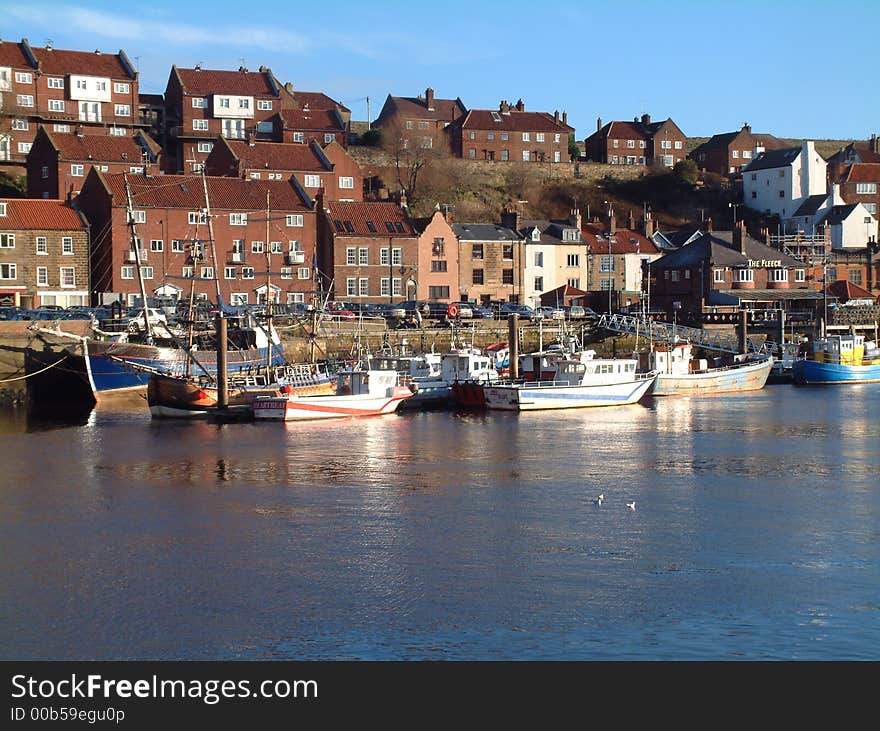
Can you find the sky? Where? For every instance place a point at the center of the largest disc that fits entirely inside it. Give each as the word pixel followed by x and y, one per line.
pixel 796 70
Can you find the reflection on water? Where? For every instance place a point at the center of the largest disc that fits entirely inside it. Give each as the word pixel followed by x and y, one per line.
pixel 449 535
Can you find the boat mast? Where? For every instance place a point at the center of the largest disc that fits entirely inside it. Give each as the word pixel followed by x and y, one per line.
pixel 137 258
pixel 268 292
pixel 211 239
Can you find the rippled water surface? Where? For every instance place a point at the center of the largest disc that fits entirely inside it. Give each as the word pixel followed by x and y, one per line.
pixel 756 534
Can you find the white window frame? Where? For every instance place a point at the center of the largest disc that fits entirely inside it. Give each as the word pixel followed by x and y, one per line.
pixel 24 100
pixel 229 272
pixel 23 77
pixel 351 286
pixel 196 217
pixel 67 245
pixel 42 276
pixel 122 110
pixel 157 245
pixel 526 136
pixel 299 137
pixel 539 136
pixel 56 105
pixel 800 275
pixel 207 272
pixel 346 183
pixel 199 102
pixel 205 146
pixel 20 125
pixel 247 273
pixel 312 181
pixel 238 219
pixel 294 220
pixel 777 275
pixel 303 273
pixel 200 125
pixel 121 88
pixel 11 271
pixel 126 272
pixel 42 246
pixel 55 82
pixel 77 171
pixel 329 137
pixel 718 276
pixel 7 241
pixel 351 255
pixel 264 105
pixel 743 275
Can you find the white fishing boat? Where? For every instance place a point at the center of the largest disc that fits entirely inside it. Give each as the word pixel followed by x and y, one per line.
pixel 585 382
pixel 466 364
pixel 358 393
pixel 679 374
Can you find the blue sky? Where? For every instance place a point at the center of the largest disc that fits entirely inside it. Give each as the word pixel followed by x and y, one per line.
pixel 793 69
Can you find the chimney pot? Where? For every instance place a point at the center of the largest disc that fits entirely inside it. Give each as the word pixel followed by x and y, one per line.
pixel 646 119
pixel 598 123
pixel 565 117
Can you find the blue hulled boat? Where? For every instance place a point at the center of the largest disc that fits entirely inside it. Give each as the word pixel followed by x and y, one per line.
pixel 839 359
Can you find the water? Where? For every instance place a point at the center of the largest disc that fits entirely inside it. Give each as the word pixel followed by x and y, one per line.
pixel 450 536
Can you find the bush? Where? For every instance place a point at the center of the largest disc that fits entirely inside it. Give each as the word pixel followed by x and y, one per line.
pixel 372 138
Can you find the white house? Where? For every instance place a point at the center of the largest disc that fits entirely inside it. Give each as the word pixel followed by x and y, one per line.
pixel 848 225
pixel 555 254
pixel 779 181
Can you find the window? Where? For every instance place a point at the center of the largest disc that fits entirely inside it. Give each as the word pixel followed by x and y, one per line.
pixel 68 276
pixel 122 110
pixel 383 256
pixel 121 88
pixel 573 260
pixel 507 276
pixel 206 146
pixel 197 217
pixel 303 273
pixel 383 287
pixel 55 83
pixel 526 137
pixel 747 154
pixel 871 208
pixel 264 105
pixel 539 136
pixel 472 154
pixel 299 137
pixel 247 272
pixel 294 220
pixel 526 155
pixel 8 271
pixel 754 192
pixel 866 188
pixel 571 234
pixel 674 275
pixel 438 292
pixel 477 276
pixel 117 132
pixel 641 144
pixel 24 147
pixel 3 208
pixel 147 272
pixel 23 78
pixel 187 272
pixel 42 246
pixel 396 257
pixel 287 272
pixel 56 105
pixel 351 255
pixel 363 287
pixel 229 272
pixel 20 124
pixel 396 286
pixel 363 255
pixel 782 194
pixel 127 272
pixel 313 181
pixel 7 241
pixel 25 100
pixel 631 144
pixel 539 284
pixel 678 144
pixel 718 275
pixel 614 159
pixel 294 297
pixel 477 251
pixel 351 286
pixel 67 245
pixel 264 127
pixel 734 154
pixel 507 252
pixel 744 275
pixel 42 276
pixel 614 143
pixel 606 264
pixel 176 246
pixel 855 276
pixel 77 171
pixel 539 258
pixel 208 272
pixel 238 219
pixel 276 247
pixel 490 135
pixel 777 275
pixel 256 247
pixel 200 125
pixel 138 217
pixel 505 136
pixel 556 137
pixel 346 182
pixel 199 102
pixel 505 155
pixel 238 298
pixel 800 275
pixel 438 265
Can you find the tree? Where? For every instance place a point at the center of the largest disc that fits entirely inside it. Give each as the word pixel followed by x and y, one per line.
pixel 372 138
pixel 574 152
pixel 412 151
pixel 686 172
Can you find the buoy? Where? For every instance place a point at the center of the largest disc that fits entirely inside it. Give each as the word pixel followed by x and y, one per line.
pixel 452 310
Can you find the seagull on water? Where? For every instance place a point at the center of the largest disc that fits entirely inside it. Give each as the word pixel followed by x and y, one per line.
pixel 598 500
pixel 632 505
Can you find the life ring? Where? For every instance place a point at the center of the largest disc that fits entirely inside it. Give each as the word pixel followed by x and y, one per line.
pixel 452 311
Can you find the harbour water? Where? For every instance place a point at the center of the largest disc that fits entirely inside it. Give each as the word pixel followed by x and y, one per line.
pixel 438 535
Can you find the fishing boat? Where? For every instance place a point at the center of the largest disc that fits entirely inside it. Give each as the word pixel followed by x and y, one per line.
pixel 359 392
pixel 584 382
pixel 781 372
pixel 839 359
pixel 462 365
pixel 679 374
pixel 179 397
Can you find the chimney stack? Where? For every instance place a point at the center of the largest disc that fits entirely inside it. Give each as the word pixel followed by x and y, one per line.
pixel 649 225
pixel 504 107
pixel 565 118
pixel 612 222
pixel 574 218
pixel 598 123
pixel 429 99
pixel 739 238
pixel 510 217
pixel 520 107
pixel 646 119
pixel 556 116
pixel 875 144
pixel 631 224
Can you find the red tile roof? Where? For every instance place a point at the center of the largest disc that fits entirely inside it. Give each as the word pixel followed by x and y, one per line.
pixel 417 108
pixel 202 82
pixel 863 172
pixel 94 63
pixel 39 215
pixel 487 119
pixel 186 191
pixel 11 55
pixel 359 215
pixel 625 130
pixel 845 290
pixel 317 100
pixel 624 241
pixel 278 156
pixel 299 119
pixel 97 148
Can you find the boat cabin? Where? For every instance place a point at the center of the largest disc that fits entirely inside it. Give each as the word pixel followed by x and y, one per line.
pixel 848 350
pixel 369 382
pixel 467 364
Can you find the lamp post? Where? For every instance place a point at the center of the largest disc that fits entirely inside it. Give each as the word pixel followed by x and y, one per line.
pixel 734 206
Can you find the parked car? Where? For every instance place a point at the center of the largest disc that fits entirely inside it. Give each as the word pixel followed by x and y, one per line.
pixel 552 313
pixel 481 311
pixel 509 308
pixel 465 309
pixel 154 317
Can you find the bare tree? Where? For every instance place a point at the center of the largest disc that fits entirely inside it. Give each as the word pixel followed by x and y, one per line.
pixel 413 150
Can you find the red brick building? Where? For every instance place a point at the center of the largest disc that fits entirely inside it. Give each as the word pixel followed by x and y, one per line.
pixel 306 124
pixel 730 152
pixel 438 259
pixel 640 142
pixel 859 183
pixel 175 248
pixel 422 119
pixel 61 89
pixel 58 164
pixel 44 254
pixel 369 252
pixel 340 177
pixel 203 104
pixel 511 134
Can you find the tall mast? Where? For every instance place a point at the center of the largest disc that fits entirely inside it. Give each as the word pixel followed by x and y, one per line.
pixel 268 292
pixel 137 258
pixel 211 237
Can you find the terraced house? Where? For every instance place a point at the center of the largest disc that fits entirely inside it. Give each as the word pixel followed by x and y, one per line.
pixel 60 90
pixel 420 120
pixel 640 142
pixel 257 225
pixel 511 134
pixel 44 254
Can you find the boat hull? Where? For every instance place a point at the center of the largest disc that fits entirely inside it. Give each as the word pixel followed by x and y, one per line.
pixel 309 408
pixel 749 377
pixel 534 397
pixel 807 372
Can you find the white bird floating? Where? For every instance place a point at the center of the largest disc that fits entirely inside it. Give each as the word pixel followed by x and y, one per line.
pixel 632 505
pixel 598 500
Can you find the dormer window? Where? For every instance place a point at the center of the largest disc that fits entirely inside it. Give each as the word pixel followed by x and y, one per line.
pixel 536 235
pixel 570 234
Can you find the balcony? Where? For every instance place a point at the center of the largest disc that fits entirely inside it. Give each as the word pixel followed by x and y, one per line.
pixel 295 257
pixel 132 256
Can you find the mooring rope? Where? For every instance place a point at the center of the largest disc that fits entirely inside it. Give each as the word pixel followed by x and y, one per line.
pixel 35 373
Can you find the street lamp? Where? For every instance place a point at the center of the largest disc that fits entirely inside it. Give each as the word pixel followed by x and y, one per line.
pixel 734 206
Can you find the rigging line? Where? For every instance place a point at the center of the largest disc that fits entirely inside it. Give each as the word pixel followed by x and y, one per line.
pixel 35 373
